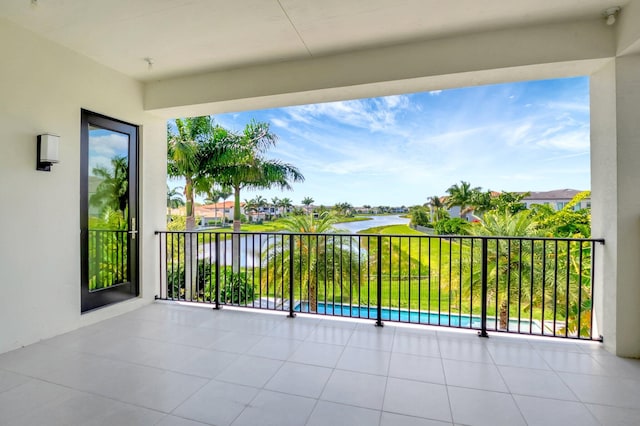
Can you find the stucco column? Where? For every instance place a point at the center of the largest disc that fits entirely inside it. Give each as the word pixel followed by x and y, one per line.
pixel 615 183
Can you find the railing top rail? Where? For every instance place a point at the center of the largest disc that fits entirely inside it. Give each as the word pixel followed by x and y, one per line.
pixel 462 237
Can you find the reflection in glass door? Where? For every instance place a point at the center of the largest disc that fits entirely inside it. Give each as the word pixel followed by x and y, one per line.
pixel 108 211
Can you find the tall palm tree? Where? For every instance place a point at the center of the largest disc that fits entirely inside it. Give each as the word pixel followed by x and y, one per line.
pixel 335 260
pixel 462 196
pixel 240 163
pixel 435 205
pixel 185 157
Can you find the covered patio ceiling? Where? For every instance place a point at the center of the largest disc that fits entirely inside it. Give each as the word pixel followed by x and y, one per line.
pixel 184 37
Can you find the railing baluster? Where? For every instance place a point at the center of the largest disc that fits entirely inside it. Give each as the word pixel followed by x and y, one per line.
pixel 291 275
pixel 217 275
pixel 379 283
pixel 483 313
pixel 568 291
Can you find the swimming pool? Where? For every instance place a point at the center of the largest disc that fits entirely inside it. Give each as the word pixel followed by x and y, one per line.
pixel 413 317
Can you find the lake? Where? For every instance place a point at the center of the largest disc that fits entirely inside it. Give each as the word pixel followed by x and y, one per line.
pixel 252 245
pixel 354 227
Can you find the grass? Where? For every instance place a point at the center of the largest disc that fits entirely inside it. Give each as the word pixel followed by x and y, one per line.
pixel 391 230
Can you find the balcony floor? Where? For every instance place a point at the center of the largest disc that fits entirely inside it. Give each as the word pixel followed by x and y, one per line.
pixel 168 364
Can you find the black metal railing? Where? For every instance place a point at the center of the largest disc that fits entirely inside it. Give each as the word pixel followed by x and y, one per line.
pixel 107 258
pixel 536 286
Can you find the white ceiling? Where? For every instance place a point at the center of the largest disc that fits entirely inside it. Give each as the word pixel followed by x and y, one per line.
pixel 185 37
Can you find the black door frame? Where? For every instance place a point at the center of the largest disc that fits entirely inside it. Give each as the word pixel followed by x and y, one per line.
pixel 97 299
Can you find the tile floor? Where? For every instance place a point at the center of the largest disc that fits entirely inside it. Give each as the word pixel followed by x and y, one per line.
pixel 168 364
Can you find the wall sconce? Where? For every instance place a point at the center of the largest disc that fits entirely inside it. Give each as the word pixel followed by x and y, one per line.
pixel 47 152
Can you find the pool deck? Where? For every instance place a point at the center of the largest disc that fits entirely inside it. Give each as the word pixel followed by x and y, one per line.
pixel 169 364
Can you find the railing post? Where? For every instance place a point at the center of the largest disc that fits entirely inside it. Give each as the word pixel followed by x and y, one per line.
pixel 379 322
pixel 291 273
pixel 217 277
pixel 483 310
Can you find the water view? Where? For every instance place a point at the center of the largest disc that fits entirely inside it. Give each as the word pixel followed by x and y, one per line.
pixel 375 221
pixel 252 245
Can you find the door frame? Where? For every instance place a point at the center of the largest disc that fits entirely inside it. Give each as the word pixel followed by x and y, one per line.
pixel 91 300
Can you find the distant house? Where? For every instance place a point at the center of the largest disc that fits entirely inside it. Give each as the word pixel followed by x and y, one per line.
pixel 211 212
pixel 556 199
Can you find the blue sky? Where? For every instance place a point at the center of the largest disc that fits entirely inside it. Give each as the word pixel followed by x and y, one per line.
pixel 399 150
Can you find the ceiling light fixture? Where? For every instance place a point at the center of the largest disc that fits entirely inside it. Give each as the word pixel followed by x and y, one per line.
pixel 149 62
pixel 611 14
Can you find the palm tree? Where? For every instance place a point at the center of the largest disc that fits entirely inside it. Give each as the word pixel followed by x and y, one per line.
pixel 113 190
pixel 286 204
pixel 275 203
pixel 307 201
pixel 185 157
pixel 316 258
pixel 343 209
pixel 214 195
pixel 240 163
pixel 462 196
pixel 250 207
pixel 260 202
pixel 481 202
pixel 509 262
pixel 435 206
pixel 174 197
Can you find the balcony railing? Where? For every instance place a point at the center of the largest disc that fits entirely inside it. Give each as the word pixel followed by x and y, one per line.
pixel 534 286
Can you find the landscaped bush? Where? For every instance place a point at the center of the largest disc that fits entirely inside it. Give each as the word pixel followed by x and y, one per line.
pixel 235 288
pixel 420 216
pixel 453 226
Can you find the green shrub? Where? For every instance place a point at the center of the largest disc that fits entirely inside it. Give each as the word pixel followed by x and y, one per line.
pixel 420 216
pixel 452 226
pixel 235 288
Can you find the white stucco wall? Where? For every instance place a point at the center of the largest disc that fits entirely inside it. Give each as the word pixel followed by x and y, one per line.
pixel 615 96
pixel 42 89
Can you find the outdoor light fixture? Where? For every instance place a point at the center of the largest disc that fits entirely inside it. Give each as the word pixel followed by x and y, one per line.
pixel 47 152
pixel 611 14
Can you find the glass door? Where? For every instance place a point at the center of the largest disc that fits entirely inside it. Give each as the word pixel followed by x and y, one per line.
pixel 108 211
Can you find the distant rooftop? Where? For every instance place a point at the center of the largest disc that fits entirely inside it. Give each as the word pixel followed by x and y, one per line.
pixel 556 194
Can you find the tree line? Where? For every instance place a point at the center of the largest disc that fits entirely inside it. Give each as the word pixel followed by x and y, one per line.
pixel 501 214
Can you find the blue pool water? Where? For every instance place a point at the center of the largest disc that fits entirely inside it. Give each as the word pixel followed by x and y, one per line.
pixel 415 317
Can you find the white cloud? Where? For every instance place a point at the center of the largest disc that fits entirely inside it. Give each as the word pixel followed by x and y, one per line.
pixel 372 114
pixel 109 145
pixel 577 140
pixel 581 107
pixel 280 123
pixel 435 92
